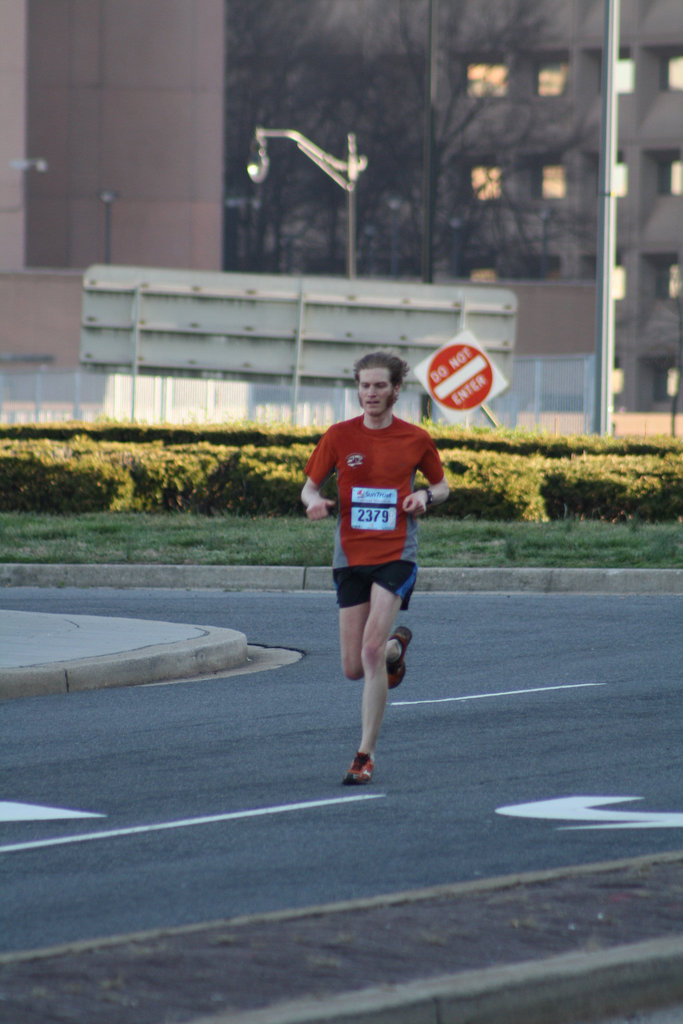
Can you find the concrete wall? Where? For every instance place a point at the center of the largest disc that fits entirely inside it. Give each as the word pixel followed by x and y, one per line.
pixel 126 95
pixel 41 316
pixel 12 131
pixel 554 318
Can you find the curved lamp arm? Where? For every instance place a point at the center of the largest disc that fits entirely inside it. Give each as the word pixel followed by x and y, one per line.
pixel 344 172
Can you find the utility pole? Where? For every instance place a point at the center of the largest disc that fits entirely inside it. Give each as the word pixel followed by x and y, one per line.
pixel 428 161
pixel 604 332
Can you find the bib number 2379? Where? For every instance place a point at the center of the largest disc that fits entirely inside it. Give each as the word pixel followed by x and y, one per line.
pixel 373 508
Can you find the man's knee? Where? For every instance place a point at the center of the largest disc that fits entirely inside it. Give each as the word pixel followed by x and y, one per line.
pixel 373 654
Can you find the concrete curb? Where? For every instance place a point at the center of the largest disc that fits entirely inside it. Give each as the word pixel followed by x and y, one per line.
pixel 560 990
pixel 216 650
pixel 185 577
pixel 295 578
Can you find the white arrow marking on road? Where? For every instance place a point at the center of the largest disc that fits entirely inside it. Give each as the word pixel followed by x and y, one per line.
pixel 11 811
pixel 582 808
pixel 189 822
pixel 503 693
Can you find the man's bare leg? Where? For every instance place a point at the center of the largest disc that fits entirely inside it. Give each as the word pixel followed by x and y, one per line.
pixel 384 607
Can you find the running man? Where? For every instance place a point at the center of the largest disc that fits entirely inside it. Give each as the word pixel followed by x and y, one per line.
pixel 375 457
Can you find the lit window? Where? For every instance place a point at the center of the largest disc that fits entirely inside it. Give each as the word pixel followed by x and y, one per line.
pixel 548 181
pixel 672 73
pixel 620 180
pixel 624 75
pixel 677 178
pixel 619 283
pixel 486 182
pixel 553 182
pixel 487 80
pixel 551 78
pixel 667 280
pixel 484 274
pixel 669 177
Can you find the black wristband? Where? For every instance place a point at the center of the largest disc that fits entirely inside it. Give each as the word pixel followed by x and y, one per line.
pixel 430 496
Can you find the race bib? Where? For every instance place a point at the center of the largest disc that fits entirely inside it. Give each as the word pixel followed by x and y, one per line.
pixel 373 508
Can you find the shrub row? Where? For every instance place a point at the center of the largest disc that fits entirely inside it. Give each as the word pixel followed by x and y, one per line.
pixel 83 476
pixel 512 442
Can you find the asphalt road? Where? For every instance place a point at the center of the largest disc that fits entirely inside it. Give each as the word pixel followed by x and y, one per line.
pixel 508 700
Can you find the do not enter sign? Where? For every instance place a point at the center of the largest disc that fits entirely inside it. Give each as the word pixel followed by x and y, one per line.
pixel 460 376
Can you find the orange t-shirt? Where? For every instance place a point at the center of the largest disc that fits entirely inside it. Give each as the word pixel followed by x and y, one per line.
pixel 375 472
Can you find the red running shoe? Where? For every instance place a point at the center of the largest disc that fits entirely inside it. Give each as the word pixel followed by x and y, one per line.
pixel 397 669
pixel 360 772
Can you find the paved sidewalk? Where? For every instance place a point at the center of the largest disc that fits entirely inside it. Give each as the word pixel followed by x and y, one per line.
pixel 42 654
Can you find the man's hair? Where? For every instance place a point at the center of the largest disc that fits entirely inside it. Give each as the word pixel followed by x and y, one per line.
pixel 396 366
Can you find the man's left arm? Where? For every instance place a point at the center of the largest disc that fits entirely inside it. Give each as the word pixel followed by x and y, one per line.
pixel 417 503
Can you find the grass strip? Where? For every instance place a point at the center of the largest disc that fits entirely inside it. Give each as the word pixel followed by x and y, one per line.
pixel 187 539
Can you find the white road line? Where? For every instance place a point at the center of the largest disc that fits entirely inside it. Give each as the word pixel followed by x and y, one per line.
pixel 503 693
pixel 189 822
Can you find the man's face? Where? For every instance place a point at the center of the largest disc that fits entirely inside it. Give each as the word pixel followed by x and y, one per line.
pixel 375 391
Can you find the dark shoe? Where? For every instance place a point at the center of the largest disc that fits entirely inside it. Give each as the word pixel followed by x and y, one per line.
pixel 360 772
pixel 397 669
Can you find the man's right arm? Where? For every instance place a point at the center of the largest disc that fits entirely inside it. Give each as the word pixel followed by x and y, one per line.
pixel 317 507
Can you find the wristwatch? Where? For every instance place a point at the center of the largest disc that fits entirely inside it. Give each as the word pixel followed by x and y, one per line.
pixel 430 496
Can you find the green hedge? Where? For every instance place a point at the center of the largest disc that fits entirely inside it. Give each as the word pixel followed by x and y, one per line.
pixel 616 487
pixel 43 477
pixel 83 475
pixel 238 434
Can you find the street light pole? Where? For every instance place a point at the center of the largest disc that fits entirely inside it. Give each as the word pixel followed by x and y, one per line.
pixel 108 197
pixel 344 172
pixel 604 333
pixel 428 155
pixel 395 204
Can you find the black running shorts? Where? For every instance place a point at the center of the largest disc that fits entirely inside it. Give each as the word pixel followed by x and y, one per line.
pixel 354 582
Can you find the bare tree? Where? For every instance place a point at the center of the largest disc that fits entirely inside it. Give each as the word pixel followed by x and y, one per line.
pixel 328 67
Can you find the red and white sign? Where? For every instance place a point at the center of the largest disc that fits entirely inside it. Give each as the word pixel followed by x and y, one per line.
pixel 460 376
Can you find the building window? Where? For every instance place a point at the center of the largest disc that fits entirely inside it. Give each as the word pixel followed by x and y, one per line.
pixel 659 384
pixel 552 77
pixel 487 80
pixel 625 75
pixel 672 73
pixel 554 182
pixel 619 283
pixel 484 274
pixel 486 182
pixel 620 179
pixel 548 181
pixel 669 177
pixel 667 280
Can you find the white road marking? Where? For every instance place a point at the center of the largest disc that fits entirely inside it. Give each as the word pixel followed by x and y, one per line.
pixel 12 811
pixel 502 693
pixel 189 822
pixel 582 808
